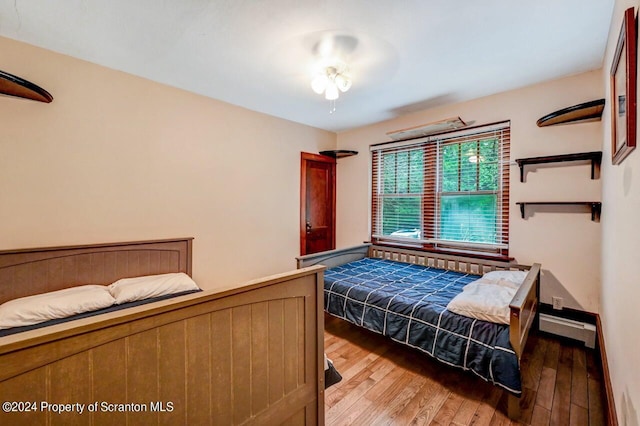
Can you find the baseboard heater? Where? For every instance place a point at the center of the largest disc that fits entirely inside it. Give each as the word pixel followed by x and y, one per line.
pixel 576 330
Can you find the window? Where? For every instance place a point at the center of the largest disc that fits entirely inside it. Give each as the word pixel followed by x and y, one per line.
pixel 444 192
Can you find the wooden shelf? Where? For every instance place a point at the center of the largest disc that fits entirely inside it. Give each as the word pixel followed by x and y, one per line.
pixel 596 206
pixel 339 153
pixel 588 111
pixel 595 158
pixel 15 86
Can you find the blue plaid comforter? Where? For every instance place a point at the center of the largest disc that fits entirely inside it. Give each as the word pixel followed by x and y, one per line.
pixel 408 304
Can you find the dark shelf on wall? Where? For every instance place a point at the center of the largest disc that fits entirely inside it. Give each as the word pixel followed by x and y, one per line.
pixel 595 158
pixel 13 85
pixel 339 153
pixel 596 206
pixel 588 111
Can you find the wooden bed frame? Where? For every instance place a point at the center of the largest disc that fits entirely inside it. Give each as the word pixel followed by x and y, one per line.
pixel 252 354
pixel 523 306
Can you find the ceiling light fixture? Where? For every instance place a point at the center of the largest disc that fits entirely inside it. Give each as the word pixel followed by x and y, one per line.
pixel 332 80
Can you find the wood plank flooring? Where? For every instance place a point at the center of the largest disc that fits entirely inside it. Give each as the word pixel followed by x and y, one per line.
pixel 385 383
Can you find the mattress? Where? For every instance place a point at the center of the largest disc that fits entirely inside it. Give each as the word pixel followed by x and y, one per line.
pixel 407 303
pixel 113 308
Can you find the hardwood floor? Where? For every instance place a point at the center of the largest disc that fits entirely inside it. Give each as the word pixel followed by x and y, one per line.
pixel 385 383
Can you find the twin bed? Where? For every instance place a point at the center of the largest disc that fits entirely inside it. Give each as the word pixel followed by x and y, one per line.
pixel 246 355
pixel 405 295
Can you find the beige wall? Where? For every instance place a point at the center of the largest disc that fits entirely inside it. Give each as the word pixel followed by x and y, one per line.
pixel 120 158
pixel 567 244
pixel 621 256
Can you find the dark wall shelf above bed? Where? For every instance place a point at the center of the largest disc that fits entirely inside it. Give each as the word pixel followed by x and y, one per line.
pixel 588 111
pixel 596 206
pixel 595 158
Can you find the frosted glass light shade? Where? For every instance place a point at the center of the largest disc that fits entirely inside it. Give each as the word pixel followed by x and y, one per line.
pixel 319 83
pixel 332 92
pixel 343 82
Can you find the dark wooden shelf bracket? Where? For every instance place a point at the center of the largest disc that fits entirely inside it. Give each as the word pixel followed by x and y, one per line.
pixel 595 158
pixel 596 206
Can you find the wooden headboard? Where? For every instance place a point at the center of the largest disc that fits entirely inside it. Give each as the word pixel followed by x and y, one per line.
pixel 26 272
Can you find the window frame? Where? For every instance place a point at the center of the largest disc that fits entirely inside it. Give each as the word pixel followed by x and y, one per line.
pixel 431 194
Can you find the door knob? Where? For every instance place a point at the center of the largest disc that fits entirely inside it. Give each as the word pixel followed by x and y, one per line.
pixel 308 226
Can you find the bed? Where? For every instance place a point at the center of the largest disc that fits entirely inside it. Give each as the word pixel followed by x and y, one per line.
pixel 245 355
pixel 404 294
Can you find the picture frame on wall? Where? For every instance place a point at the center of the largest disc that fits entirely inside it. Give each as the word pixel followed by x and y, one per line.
pixel 623 90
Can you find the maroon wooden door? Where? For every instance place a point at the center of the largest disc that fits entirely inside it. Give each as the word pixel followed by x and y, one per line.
pixel 317 203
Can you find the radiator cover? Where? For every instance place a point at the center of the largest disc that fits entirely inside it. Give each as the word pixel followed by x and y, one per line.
pixel 576 330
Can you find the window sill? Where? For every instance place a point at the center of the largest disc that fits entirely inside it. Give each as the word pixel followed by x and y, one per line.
pixel 486 256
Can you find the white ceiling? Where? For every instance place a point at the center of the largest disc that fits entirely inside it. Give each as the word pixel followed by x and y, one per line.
pixel 404 55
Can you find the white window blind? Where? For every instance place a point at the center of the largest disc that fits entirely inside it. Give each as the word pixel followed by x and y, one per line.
pixel 446 192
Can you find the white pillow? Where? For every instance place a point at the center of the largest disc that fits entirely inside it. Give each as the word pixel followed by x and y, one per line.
pixel 53 305
pixel 485 301
pixel 506 278
pixel 131 289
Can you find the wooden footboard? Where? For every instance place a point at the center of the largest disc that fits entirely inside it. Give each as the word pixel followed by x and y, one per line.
pixel 524 307
pixel 252 354
pixel 247 355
